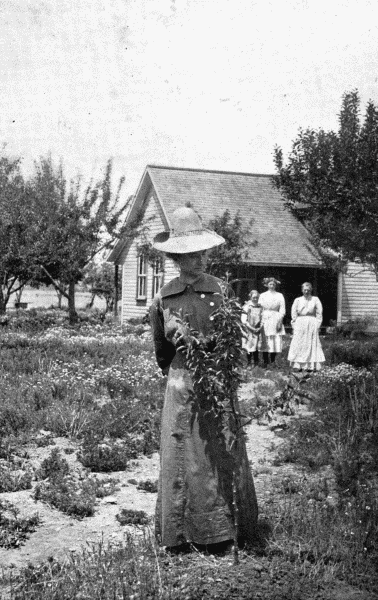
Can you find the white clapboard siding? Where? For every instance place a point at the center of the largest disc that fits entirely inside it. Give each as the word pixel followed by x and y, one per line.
pixel 131 307
pixel 359 293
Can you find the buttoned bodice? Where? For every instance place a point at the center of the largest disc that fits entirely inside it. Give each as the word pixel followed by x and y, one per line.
pixel 178 303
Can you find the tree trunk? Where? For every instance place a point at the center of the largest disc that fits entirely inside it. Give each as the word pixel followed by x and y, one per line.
pixel 60 298
pixel 71 303
pixel 19 294
pixel 3 303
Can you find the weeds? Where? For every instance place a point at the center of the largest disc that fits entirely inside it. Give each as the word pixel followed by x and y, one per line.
pixel 100 386
pixel 70 495
pixel 148 486
pixel 14 530
pixel 73 493
pixel 104 456
pixel 129 516
pixel 53 467
pixel 14 478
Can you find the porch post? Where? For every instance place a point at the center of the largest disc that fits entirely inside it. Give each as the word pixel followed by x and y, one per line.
pixel 315 284
pixel 116 279
pixel 339 297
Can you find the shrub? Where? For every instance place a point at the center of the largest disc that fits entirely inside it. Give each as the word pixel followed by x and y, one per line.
pixel 106 487
pixel 36 319
pixel 360 354
pixel 13 478
pixel 73 497
pixel 14 416
pixel 68 492
pixel 14 530
pixel 104 455
pixel 129 516
pixel 53 467
pixel 148 486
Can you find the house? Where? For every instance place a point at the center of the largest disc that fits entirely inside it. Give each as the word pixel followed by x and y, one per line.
pixel 358 295
pixel 278 243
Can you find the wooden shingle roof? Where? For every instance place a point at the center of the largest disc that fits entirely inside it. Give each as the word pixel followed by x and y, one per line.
pixel 276 236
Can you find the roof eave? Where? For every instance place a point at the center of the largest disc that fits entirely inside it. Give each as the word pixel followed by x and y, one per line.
pixel 282 264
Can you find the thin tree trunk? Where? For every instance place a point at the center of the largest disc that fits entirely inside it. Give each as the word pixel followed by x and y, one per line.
pixel 3 303
pixel 71 303
pixel 116 279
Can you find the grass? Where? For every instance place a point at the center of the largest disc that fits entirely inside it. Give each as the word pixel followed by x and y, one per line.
pixel 100 387
pixel 138 569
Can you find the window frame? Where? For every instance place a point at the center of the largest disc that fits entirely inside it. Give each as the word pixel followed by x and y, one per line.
pixel 142 277
pixel 157 270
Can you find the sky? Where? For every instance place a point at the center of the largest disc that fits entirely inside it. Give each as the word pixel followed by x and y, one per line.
pixel 211 84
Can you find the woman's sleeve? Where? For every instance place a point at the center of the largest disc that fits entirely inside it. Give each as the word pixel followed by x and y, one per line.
pixel 244 314
pixel 294 311
pixel 164 350
pixel 318 311
pixel 282 310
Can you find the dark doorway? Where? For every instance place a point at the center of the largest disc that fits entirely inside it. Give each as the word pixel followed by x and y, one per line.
pixel 324 282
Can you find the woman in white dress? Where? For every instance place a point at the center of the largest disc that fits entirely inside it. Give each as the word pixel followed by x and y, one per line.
pixel 274 310
pixel 251 319
pixel 305 352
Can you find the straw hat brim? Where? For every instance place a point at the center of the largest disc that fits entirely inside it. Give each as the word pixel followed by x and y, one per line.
pixel 191 242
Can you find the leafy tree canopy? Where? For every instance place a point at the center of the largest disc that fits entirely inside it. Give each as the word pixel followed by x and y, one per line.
pixel 16 231
pixel 76 223
pixel 227 257
pixel 330 181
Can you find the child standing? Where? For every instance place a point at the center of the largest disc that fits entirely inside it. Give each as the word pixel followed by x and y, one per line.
pixel 251 319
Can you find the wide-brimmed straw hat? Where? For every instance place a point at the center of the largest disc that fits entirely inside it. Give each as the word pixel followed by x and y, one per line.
pixel 186 234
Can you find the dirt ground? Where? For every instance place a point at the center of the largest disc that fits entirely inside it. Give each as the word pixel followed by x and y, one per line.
pixel 58 535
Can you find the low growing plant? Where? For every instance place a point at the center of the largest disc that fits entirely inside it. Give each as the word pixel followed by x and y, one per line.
pixel 148 486
pixel 70 495
pixel 14 477
pixel 14 530
pixel 130 516
pixel 103 456
pixel 53 467
pixel 360 354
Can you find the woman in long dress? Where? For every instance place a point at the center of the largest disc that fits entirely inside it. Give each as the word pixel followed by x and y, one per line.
pixel 251 320
pixel 274 310
pixel 305 352
pixel 195 497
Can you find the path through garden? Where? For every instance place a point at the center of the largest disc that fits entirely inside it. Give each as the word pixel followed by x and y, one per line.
pixel 58 535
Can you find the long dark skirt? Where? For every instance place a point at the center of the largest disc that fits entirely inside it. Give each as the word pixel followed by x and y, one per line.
pixel 195 499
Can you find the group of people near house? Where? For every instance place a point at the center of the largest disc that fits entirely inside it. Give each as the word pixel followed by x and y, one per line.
pixel 206 494
pixel 262 319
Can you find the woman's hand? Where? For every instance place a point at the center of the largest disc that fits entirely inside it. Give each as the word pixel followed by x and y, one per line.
pixel 279 324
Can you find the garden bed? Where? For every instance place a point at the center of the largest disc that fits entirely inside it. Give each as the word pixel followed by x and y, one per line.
pixel 79 424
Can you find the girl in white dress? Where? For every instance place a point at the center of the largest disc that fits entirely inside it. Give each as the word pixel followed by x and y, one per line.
pixel 251 319
pixel 274 310
pixel 305 352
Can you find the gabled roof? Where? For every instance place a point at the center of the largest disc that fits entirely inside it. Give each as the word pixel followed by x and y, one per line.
pixel 276 237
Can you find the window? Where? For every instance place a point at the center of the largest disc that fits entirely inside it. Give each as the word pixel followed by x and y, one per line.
pixel 157 269
pixel 142 278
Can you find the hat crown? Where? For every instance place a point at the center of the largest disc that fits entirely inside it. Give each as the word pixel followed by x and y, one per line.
pixel 185 220
pixel 186 234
